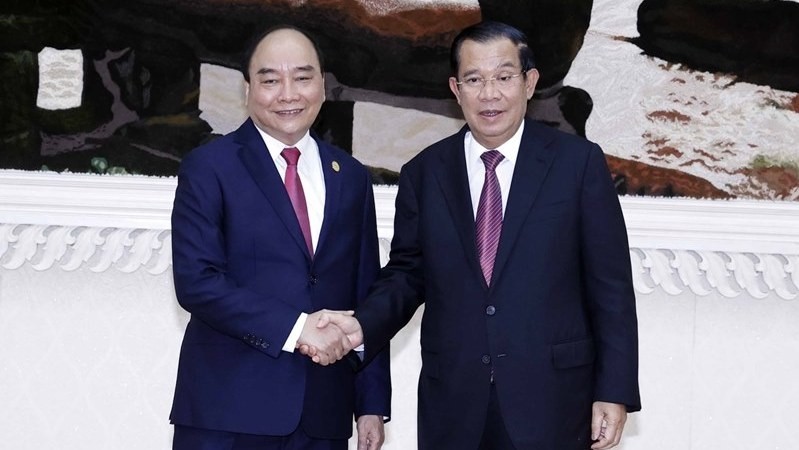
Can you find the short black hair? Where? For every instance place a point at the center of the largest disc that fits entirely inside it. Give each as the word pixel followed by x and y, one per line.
pixel 489 30
pixel 256 39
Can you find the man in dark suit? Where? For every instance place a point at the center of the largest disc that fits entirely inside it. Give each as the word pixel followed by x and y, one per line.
pixel 255 262
pixel 511 234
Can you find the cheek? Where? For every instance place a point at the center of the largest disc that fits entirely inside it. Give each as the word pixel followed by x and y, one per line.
pixel 265 99
pixel 319 95
pixel 261 96
pixel 470 106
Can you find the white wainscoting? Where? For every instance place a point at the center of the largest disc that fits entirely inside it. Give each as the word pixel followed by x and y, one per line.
pixel 90 329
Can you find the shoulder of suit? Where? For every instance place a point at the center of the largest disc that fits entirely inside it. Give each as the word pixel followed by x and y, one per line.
pixel 220 146
pixel 339 155
pixel 435 150
pixel 333 150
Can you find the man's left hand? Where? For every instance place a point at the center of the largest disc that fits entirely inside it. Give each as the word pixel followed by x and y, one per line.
pixel 607 424
pixel 371 433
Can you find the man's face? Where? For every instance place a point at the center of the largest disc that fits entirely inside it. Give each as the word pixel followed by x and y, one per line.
pixel 286 87
pixel 493 112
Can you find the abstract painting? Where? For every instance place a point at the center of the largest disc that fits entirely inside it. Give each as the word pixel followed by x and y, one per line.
pixel 687 98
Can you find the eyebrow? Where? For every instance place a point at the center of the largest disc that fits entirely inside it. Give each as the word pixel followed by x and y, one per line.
pixel 270 71
pixel 505 65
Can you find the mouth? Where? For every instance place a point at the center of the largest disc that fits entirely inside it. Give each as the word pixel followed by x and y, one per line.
pixel 288 112
pixel 489 113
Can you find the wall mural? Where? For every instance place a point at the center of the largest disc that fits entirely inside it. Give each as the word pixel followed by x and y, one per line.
pixel 694 98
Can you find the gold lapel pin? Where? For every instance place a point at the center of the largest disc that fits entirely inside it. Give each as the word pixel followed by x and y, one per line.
pixel 336 167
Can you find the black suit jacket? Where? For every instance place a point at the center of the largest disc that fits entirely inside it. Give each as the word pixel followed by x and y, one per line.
pixel 558 324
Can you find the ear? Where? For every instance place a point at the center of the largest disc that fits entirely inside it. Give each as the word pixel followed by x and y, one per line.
pixel 530 81
pixel 246 93
pixel 453 86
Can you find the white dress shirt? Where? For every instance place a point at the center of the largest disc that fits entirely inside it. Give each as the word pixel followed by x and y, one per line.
pixel 309 169
pixel 475 169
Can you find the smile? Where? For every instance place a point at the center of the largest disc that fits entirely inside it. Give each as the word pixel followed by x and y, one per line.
pixel 289 112
pixel 490 113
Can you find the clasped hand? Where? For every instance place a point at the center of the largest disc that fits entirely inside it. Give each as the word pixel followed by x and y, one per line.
pixel 329 335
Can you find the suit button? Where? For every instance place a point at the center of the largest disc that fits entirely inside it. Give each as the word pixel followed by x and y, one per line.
pixel 486 359
pixel 313 279
pixel 490 310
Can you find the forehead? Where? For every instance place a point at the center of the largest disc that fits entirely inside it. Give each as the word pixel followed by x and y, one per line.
pixel 284 49
pixel 489 55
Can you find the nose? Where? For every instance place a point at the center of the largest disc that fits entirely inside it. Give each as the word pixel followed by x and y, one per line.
pixel 288 91
pixel 489 90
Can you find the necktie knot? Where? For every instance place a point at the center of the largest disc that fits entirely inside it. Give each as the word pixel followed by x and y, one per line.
pixel 491 159
pixel 291 155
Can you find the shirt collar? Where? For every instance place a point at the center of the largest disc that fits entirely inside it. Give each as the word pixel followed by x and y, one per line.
pixel 274 146
pixel 509 149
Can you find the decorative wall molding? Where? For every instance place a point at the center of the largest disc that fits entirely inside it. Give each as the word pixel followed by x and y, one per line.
pixel 728 273
pixel 71 220
pixel 70 247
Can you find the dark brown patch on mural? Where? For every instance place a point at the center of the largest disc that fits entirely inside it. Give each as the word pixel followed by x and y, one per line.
pixel 783 180
pixel 700 162
pixel 670 116
pixel 711 156
pixel 425 26
pixel 656 142
pixel 666 150
pixel 636 178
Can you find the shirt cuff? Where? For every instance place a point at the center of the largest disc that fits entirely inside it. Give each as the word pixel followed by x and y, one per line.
pixel 294 336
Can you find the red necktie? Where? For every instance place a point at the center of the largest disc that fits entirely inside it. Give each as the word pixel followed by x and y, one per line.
pixel 296 194
pixel 488 224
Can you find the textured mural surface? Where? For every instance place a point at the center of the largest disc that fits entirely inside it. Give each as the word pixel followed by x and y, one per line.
pixel 687 98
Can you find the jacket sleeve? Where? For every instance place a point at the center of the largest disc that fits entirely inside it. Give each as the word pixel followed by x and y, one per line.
pixel 608 286
pixel 373 381
pixel 200 265
pixel 398 292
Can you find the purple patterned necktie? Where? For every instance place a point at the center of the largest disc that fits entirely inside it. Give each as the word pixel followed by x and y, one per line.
pixel 296 194
pixel 488 224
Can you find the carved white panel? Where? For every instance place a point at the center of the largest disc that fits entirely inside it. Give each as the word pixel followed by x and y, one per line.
pixel 702 272
pixel 677 245
pixel 70 248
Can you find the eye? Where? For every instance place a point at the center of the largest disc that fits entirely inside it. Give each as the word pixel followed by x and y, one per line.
pixel 505 78
pixel 303 78
pixel 473 81
pixel 270 81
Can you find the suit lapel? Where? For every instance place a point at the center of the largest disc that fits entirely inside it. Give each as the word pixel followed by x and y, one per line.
pixel 259 164
pixel 534 160
pixel 454 183
pixel 331 169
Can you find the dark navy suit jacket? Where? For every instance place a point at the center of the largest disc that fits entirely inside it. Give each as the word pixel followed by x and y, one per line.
pixel 241 268
pixel 558 324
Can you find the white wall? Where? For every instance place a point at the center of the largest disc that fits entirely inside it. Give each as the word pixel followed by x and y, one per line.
pixel 89 361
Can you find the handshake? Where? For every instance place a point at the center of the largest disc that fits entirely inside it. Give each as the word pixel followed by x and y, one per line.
pixel 329 335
